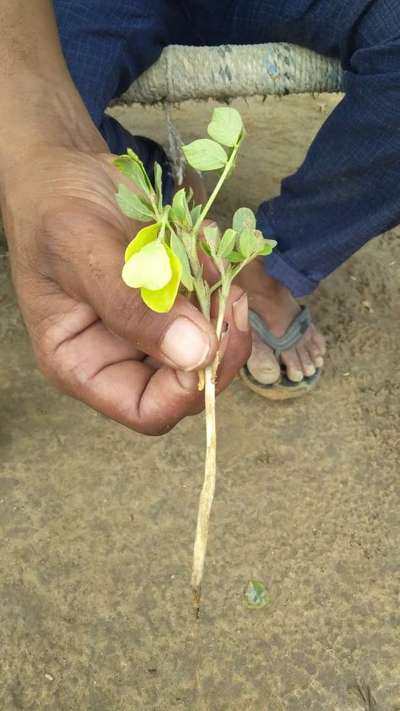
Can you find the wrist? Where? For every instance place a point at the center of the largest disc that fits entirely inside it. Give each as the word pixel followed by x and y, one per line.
pixel 43 113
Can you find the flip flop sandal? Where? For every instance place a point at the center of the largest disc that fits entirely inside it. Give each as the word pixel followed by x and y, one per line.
pixel 283 389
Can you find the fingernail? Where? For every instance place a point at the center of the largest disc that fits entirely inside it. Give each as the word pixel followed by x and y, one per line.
pixel 185 344
pixel 189 381
pixel 241 313
pixel 319 362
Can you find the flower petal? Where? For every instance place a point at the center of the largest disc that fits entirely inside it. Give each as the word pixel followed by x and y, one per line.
pixel 144 236
pixel 149 268
pixel 163 299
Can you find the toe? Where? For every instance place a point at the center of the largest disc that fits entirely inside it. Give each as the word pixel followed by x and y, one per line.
pixel 306 361
pixel 293 366
pixel 315 345
pixel 315 354
pixel 318 342
pixel 262 363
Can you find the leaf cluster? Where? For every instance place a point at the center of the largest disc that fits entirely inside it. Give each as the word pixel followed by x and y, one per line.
pixel 165 254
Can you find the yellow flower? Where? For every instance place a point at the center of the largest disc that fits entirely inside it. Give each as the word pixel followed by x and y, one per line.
pixel 152 267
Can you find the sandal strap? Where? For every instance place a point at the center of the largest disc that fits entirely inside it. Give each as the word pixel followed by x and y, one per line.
pixel 291 337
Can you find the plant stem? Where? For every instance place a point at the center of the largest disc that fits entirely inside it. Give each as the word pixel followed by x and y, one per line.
pixel 217 188
pixel 207 493
pixel 210 471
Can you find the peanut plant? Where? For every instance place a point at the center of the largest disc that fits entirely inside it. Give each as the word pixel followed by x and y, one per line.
pixel 164 258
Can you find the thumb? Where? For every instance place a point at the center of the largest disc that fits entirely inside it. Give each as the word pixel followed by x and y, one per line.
pixel 181 338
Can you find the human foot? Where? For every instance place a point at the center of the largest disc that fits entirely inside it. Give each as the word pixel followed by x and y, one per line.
pixel 277 308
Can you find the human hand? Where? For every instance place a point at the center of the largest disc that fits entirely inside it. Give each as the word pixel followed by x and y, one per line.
pixel 92 336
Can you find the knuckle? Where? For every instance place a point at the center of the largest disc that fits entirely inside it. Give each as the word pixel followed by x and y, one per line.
pixel 49 370
pixel 155 429
pixel 62 372
pixel 126 313
pixel 155 422
pixel 150 426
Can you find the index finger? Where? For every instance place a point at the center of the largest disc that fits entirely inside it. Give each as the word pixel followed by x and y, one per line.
pixel 84 359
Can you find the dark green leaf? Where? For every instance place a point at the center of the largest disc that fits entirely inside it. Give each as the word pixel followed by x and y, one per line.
pixel 226 126
pixel 205 154
pixel 244 218
pixel 133 206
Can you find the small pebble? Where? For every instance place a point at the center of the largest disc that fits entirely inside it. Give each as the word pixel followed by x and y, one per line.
pixel 368 306
pixel 50 677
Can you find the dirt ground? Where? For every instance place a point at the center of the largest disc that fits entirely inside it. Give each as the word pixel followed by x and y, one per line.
pixel 97 523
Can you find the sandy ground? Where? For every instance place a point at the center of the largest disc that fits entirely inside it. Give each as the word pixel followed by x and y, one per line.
pixel 97 523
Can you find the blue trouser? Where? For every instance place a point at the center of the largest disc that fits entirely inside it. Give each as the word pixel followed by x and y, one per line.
pixel 347 190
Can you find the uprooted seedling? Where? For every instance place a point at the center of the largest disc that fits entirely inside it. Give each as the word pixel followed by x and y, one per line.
pixel 164 257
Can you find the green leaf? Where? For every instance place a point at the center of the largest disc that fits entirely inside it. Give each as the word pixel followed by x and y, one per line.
pixel 256 595
pixel 131 166
pixel 226 126
pixel 212 237
pixel 134 156
pixel 180 209
pixel 144 236
pixel 205 154
pixel 149 268
pixel 244 218
pixel 163 299
pixel 265 251
pixel 178 248
pixel 235 257
pixel 205 248
pixel 158 184
pixel 133 206
pixel 248 242
pixel 195 213
pixel 227 243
